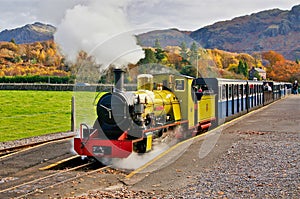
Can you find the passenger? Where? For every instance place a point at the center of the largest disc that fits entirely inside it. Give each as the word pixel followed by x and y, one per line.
pixel 295 87
pixel 268 87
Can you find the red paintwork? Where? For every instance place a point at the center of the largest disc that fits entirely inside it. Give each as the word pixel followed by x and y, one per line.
pixel 119 148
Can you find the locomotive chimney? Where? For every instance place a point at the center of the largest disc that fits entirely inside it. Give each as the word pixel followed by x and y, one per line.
pixel 119 79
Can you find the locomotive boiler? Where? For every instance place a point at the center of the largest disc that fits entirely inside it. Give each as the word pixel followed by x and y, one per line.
pixel 126 115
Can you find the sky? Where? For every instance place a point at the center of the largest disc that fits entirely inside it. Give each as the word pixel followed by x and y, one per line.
pixel 105 29
pixel 181 14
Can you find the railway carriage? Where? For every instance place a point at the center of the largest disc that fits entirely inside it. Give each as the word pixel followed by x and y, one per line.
pixel 234 97
pixel 287 88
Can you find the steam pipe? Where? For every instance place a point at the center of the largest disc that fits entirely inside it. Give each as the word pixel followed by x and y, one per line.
pixel 119 79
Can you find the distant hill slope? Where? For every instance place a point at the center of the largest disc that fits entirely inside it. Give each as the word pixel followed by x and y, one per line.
pixel 275 29
pixel 29 33
pixel 169 37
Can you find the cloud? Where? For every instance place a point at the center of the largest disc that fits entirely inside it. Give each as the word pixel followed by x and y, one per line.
pixel 54 11
pixel 102 30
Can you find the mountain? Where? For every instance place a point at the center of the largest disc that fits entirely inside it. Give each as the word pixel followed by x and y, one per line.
pixel 274 29
pixel 169 37
pixel 277 30
pixel 29 33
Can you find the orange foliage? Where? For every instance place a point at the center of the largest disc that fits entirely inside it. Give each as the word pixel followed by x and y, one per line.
pixel 273 57
pixel 33 69
pixel 39 58
pixel 280 69
pixel 284 71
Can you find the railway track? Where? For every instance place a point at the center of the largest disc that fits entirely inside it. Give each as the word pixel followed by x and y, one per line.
pixel 38 185
pixel 25 170
pixel 11 150
pixel 55 176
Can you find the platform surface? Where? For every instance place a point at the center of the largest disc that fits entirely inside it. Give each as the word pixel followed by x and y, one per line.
pixel 263 145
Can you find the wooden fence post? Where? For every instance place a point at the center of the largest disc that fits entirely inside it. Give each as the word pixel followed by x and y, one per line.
pixel 73 119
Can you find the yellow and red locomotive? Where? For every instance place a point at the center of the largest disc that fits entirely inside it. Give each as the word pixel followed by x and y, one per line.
pixel 128 121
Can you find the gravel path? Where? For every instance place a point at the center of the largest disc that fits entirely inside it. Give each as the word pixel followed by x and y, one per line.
pixel 261 165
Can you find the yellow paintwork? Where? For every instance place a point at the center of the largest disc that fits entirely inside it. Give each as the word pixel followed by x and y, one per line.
pixel 190 104
pixel 98 97
pixel 206 107
pixel 160 102
pixel 149 142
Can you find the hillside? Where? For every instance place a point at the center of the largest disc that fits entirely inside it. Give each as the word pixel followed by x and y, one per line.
pixel 169 37
pixel 29 33
pixel 275 29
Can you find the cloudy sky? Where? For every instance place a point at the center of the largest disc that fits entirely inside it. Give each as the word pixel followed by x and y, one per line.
pixel 105 28
pixel 181 14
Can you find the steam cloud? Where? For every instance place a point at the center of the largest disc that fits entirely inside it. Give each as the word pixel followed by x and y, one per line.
pixel 100 28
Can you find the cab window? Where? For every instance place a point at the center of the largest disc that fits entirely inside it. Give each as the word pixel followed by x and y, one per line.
pixel 179 85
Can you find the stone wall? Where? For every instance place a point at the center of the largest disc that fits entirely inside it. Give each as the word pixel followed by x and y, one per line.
pixel 60 87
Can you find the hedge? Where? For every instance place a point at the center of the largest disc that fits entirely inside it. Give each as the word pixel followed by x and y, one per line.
pixel 38 79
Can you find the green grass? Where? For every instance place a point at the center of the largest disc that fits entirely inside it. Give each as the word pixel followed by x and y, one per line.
pixel 31 113
pixel 85 109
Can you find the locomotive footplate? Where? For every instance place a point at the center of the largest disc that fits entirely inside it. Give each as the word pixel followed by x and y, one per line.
pixel 103 148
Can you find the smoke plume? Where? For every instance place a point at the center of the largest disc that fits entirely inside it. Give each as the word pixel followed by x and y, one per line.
pixel 99 28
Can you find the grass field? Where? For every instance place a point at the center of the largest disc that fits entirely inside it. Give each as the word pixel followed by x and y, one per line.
pixel 32 113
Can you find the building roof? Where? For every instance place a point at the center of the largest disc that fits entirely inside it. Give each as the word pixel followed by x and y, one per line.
pixel 260 70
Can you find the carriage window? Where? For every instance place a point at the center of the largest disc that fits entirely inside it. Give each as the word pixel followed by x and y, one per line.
pixel 234 87
pixel 240 90
pixel 251 89
pixel 223 91
pixel 179 84
pixel 229 91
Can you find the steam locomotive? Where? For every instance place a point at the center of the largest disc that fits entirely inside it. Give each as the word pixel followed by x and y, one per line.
pixel 129 121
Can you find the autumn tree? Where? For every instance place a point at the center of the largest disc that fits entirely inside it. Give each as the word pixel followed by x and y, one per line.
pixel 245 70
pixel 174 60
pixel 189 70
pixel 85 69
pixel 272 57
pixel 159 52
pixel 149 57
pixel 193 53
pixel 184 52
pixel 240 67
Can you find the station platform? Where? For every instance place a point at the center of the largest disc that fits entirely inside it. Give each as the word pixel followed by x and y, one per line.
pixel 257 153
